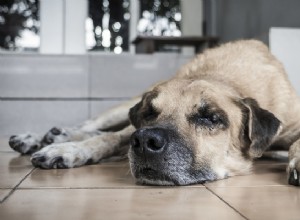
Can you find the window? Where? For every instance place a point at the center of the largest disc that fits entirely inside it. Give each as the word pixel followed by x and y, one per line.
pixel 108 25
pixel 19 25
pixel 160 18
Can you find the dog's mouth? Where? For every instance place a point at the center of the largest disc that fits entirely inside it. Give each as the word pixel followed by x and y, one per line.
pixel 150 176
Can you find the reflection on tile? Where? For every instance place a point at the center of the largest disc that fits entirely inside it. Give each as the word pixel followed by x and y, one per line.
pixel 100 175
pixel 264 174
pixel 263 202
pixel 3 193
pixel 13 168
pixel 159 203
pixel 4 147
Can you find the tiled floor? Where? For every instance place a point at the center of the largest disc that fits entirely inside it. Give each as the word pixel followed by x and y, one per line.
pixel 107 191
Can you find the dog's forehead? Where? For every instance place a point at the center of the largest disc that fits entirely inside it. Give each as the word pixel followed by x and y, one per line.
pixel 184 92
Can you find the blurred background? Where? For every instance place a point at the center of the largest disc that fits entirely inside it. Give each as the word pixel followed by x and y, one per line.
pixel 64 61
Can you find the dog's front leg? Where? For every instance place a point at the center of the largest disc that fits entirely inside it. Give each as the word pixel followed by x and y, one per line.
pixel 293 169
pixel 75 154
pixel 114 118
pixel 29 143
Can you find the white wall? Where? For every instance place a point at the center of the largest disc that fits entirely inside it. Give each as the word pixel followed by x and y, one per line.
pixel 285 45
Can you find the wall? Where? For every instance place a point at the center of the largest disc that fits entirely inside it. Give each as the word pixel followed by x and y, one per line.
pixel 285 45
pixel 40 91
pixel 237 19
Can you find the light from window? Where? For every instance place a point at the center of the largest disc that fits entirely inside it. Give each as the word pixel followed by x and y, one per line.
pixel 107 27
pixel 19 25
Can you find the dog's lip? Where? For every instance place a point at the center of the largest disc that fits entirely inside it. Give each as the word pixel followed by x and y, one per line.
pixel 149 175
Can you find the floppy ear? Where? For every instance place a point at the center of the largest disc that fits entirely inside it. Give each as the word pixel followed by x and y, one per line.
pixel 261 125
pixel 134 115
pixel 139 111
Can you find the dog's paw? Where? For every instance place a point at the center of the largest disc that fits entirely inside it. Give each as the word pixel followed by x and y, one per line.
pixel 25 143
pixel 55 135
pixel 62 155
pixel 293 171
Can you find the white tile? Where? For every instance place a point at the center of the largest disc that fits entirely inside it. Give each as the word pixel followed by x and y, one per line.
pixel 129 75
pixel 98 107
pixel 43 76
pixel 39 116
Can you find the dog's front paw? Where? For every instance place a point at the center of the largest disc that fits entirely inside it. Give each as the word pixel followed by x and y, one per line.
pixel 25 143
pixel 55 135
pixel 293 171
pixel 58 156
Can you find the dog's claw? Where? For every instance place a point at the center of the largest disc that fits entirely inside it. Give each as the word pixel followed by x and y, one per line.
pixel 294 178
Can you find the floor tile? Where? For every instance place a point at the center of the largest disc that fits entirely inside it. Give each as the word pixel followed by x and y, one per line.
pixel 264 174
pixel 101 175
pixel 263 202
pixel 4 147
pixel 13 168
pixel 3 193
pixel 159 203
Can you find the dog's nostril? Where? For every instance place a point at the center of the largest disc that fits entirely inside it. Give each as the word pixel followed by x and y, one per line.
pixel 135 143
pixel 155 144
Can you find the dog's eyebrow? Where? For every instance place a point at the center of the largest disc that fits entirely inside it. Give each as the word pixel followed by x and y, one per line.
pixel 149 96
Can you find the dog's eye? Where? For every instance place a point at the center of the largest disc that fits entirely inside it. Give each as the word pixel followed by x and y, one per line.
pixel 206 119
pixel 150 114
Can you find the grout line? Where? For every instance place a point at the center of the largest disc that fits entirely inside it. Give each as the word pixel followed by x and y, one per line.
pixel 63 99
pixel 226 202
pixel 16 186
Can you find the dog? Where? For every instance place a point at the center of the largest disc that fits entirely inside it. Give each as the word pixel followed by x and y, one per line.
pixel 220 111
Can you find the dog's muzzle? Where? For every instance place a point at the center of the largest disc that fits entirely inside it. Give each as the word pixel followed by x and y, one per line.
pixel 160 156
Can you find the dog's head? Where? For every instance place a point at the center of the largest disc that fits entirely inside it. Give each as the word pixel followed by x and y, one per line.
pixel 195 131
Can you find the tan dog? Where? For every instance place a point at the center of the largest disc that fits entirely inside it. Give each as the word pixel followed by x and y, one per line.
pixel 221 110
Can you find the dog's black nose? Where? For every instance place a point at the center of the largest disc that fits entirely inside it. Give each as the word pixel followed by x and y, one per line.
pixel 148 140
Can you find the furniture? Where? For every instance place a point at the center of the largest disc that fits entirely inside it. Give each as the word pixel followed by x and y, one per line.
pixel 150 44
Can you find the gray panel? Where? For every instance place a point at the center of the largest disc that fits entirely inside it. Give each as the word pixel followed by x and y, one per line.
pixel 43 76
pixel 39 116
pixel 252 19
pixel 129 75
pixel 98 107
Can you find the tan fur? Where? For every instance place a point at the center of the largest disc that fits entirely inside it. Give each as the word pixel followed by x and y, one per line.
pixel 231 72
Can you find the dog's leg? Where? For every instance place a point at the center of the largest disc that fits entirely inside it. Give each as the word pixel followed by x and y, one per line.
pixel 293 169
pixel 114 118
pixel 74 154
pixel 29 143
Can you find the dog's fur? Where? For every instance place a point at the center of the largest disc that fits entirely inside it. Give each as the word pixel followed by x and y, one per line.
pixel 221 110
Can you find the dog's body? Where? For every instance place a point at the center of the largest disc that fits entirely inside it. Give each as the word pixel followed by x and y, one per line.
pixel 220 111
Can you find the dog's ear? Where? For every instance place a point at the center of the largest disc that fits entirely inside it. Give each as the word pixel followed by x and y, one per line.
pixel 143 110
pixel 260 127
pixel 134 115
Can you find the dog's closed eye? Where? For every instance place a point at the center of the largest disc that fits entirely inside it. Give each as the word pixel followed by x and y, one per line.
pixel 207 117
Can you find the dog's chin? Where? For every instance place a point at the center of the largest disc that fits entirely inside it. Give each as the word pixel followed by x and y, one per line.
pixel 149 176
pixel 161 177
